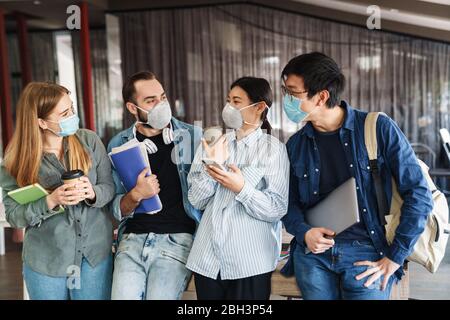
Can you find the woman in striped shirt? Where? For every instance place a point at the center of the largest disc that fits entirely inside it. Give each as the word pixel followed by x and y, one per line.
pixel 238 241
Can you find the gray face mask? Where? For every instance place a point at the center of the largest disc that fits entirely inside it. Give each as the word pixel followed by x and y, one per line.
pixel 233 117
pixel 159 116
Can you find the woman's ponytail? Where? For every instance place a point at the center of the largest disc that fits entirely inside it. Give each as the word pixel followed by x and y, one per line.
pixel 266 124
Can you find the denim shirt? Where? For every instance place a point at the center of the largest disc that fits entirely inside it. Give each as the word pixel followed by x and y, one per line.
pixel 186 139
pixel 396 159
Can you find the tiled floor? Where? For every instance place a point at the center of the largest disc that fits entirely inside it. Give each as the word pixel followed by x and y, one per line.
pixel 424 285
pixel 11 270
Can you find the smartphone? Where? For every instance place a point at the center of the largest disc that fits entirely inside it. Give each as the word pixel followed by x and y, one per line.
pixel 211 162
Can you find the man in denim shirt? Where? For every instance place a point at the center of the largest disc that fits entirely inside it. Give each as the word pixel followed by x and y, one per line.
pixel 150 262
pixel 357 263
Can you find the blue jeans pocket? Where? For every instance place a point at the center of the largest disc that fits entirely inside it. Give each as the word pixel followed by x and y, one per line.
pixel 178 246
pixel 357 270
pixel 181 258
pixel 124 243
pixel 363 244
pixel 183 240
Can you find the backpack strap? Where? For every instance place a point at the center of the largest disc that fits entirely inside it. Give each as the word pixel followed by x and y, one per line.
pixel 370 139
pixel 370 135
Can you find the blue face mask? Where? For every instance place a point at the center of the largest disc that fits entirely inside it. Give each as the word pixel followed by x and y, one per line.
pixel 68 126
pixel 292 108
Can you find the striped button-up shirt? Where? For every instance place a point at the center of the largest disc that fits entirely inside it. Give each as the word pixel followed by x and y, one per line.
pixel 240 234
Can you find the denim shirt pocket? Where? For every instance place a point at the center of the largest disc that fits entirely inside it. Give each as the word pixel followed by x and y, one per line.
pixel 303 176
pixel 364 165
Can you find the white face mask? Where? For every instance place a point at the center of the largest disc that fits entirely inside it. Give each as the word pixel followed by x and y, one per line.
pixel 159 116
pixel 233 117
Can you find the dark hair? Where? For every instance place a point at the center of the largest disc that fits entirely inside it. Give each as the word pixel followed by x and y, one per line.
pixel 129 90
pixel 257 89
pixel 319 72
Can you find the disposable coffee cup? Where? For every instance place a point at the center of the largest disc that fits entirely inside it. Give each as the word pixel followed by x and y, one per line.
pixel 212 134
pixel 72 176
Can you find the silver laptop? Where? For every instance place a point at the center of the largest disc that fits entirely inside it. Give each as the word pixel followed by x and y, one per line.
pixel 338 211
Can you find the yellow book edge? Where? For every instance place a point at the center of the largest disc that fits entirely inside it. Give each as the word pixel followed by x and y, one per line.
pixel 37 185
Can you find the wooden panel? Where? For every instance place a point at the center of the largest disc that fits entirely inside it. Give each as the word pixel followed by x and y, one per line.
pixel 281 286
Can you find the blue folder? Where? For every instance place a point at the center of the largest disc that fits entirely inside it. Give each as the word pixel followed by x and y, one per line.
pixel 129 164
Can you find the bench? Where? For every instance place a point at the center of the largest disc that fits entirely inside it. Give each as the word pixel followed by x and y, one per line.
pixel 281 286
pixel 287 287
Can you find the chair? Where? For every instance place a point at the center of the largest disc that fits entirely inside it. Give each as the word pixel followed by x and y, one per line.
pixel 425 153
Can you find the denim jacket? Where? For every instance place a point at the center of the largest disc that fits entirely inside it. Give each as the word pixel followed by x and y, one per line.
pixel 186 138
pixel 396 159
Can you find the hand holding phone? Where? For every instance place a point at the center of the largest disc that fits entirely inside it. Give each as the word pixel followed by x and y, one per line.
pixel 214 163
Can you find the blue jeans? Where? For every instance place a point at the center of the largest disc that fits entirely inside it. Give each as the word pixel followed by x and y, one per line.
pixel 331 275
pixel 151 266
pixel 87 284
